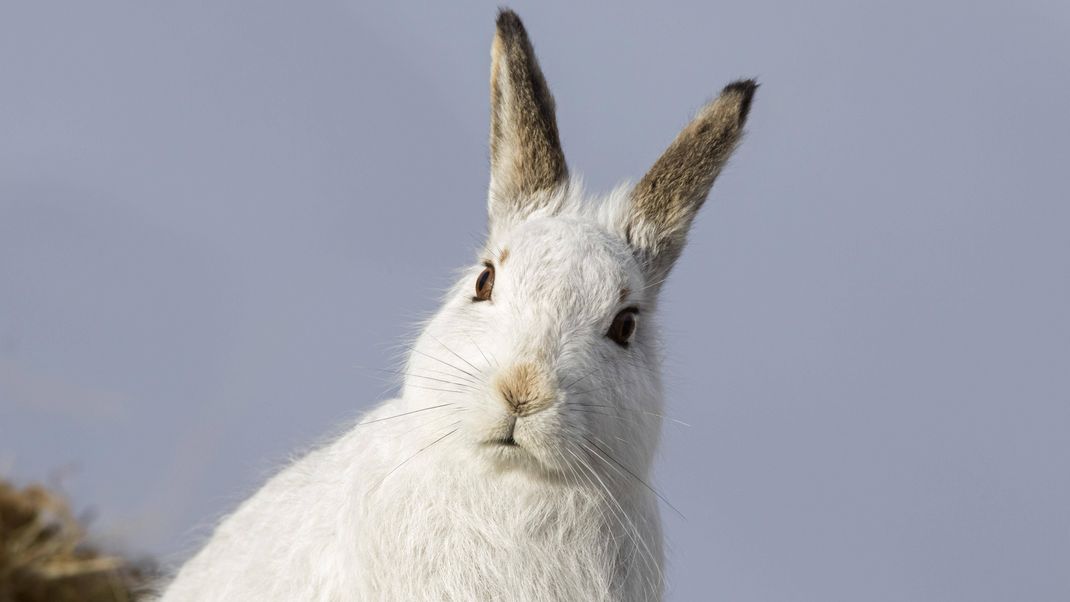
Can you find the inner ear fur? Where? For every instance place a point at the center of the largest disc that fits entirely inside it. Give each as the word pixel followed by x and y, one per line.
pixel 665 201
pixel 527 163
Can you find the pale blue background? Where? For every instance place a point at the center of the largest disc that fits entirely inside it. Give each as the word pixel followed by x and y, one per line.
pixel 218 219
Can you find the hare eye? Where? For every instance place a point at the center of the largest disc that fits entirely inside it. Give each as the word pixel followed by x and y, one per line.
pixel 484 284
pixel 623 326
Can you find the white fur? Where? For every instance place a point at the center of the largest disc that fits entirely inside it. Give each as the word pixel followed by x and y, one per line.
pixel 417 507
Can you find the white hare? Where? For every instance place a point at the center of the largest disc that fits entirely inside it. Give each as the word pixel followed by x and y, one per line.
pixel 515 464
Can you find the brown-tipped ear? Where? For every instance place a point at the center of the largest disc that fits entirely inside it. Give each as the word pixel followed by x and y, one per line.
pixel 666 200
pixel 525 152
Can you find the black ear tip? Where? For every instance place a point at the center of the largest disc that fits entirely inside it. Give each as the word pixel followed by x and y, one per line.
pixel 509 23
pixel 745 88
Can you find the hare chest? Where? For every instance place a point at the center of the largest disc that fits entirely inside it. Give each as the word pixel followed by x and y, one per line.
pixel 350 522
pixel 446 540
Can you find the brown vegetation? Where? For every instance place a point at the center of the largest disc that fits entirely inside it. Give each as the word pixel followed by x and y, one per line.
pixel 44 555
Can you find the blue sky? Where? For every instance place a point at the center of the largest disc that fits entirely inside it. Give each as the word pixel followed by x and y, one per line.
pixel 219 221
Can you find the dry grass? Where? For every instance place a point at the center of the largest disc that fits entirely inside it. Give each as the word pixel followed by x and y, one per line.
pixel 44 555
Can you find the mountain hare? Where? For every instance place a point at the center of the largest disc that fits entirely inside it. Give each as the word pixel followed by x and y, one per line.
pixel 515 465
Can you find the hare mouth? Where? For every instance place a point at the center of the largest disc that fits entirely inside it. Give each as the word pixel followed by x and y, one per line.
pixel 505 453
pixel 504 437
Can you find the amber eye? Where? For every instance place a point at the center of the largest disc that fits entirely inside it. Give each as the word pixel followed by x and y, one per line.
pixel 623 326
pixel 484 284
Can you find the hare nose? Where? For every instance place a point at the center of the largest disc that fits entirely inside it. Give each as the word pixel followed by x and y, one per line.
pixel 525 389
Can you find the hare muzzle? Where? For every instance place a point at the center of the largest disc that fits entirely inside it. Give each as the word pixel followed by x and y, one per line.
pixel 525 389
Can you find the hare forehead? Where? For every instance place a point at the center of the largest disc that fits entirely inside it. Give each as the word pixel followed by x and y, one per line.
pixel 570 256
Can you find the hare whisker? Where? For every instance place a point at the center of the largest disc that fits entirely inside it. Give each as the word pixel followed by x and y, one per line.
pixel 444 362
pixel 439 389
pixel 420 451
pixel 593 405
pixel 594 413
pixel 577 484
pixel 573 383
pixel 454 352
pixel 625 521
pixel 479 349
pixel 404 372
pixel 589 391
pixel 636 477
pixel 460 384
pixel 453 383
pixel 441 405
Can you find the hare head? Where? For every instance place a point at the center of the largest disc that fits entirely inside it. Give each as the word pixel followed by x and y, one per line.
pixel 547 345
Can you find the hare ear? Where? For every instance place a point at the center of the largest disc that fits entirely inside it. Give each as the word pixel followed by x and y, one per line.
pixel 665 201
pixel 527 163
